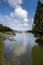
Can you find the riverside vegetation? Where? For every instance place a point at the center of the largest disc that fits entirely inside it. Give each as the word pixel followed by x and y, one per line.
pixel 2 61
pixel 3 30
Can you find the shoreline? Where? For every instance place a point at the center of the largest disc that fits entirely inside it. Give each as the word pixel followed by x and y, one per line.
pixel 2 60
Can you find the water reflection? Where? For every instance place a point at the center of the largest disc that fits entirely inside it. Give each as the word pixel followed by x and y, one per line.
pixel 19 52
pixel 21 49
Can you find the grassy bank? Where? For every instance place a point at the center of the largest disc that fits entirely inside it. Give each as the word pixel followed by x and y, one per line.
pixel 2 61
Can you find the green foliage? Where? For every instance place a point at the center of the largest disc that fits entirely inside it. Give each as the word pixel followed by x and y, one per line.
pixel 38 19
pixel 40 41
pixel 4 28
pixel 29 31
pixel 2 62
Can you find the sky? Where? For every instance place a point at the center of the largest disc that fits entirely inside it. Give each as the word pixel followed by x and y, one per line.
pixel 18 14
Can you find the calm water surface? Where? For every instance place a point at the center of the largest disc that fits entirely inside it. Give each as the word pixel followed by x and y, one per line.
pixel 19 52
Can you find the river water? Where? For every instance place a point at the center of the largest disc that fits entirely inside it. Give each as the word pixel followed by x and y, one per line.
pixel 21 51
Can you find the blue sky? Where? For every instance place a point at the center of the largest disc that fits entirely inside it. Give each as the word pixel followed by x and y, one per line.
pixel 18 14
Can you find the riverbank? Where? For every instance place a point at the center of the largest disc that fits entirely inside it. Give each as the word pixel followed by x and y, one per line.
pixel 8 35
pixel 2 61
pixel 29 31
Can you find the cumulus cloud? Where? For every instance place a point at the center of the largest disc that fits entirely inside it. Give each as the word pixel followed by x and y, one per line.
pixel 19 14
pixel 26 20
pixel 26 24
pixel 32 20
pixel 11 14
pixel 15 3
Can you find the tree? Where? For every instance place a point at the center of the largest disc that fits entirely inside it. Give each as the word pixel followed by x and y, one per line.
pixel 38 19
pixel 4 28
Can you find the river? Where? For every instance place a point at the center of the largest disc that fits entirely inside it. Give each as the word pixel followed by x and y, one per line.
pixel 23 51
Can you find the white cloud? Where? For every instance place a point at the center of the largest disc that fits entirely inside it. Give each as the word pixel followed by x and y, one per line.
pixel 26 20
pixel 26 24
pixel 19 12
pixel 20 25
pixel 32 20
pixel 18 15
pixel 11 14
pixel 15 3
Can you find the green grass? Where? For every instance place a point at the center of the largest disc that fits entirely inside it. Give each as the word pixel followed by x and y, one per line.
pixel 2 61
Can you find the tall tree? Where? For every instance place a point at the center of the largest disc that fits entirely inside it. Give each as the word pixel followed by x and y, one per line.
pixel 38 19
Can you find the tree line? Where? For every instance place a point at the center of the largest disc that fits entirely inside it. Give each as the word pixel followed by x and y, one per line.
pixel 4 28
pixel 38 20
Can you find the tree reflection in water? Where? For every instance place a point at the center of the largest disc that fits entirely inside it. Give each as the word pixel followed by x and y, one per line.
pixel 37 55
